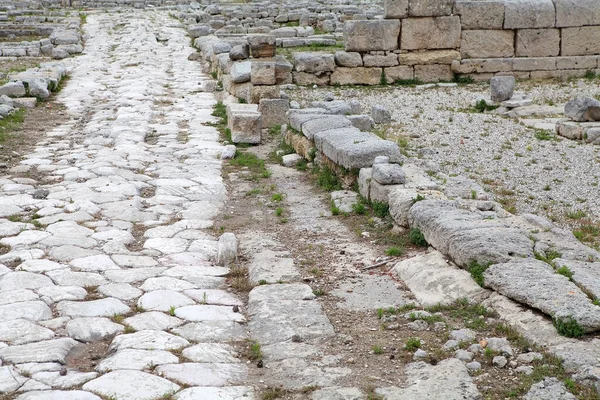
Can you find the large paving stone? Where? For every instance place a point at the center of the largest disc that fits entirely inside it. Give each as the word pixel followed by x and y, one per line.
pixel 536 284
pixel 133 274
pixel 128 385
pixel 163 300
pixel 433 280
pixel 467 236
pixel 208 313
pixel 586 275
pixel 211 393
pixel 148 340
pixel 549 389
pixel 212 331
pixel 96 308
pixel 23 280
pixel 297 373
pixel 92 329
pixel 276 319
pixel 121 291
pixel 30 310
pixel 54 294
pixel 58 395
pixel 205 374
pixel 18 296
pixel 213 296
pixel 211 353
pixel 97 263
pixel 66 277
pixel 136 359
pixel 370 293
pixel 272 266
pixel 449 379
pixel 153 320
pixel 68 381
pixel 39 266
pixel 166 283
pixel 47 351
pixel 11 381
pixel 20 331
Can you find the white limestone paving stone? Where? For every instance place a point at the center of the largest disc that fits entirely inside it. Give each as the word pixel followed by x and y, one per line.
pixel 153 320
pixel 47 351
pixel 92 329
pixel 148 340
pixel 54 294
pixel 121 291
pixel 66 277
pixel 136 359
pixel 58 395
pixel 96 308
pixel 21 331
pixel 58 381
pixel 213 296
pixel 211 353
pixel 23 280
pixel 96 263
pixel 212 393
pixel 163 300
pixel 212 331
pixel 130 385
pixel 11 381
pixel 204 374
pixel 131 275
pixel 39 266
pixel 30 310
pixel 166 283
pixel 17 296
pixel 208 313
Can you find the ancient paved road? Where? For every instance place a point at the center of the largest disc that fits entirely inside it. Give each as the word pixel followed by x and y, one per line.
pixel 104 229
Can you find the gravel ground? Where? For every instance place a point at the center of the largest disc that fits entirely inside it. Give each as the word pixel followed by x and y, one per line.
pixel 556 177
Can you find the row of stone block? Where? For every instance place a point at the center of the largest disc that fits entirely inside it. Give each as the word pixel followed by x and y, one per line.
pixel 482 65
pixel 431 33
pixel 501 14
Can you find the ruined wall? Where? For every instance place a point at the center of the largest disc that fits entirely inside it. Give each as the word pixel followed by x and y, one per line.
pixel 433 40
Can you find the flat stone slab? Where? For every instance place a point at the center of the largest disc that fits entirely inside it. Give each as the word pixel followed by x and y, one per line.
pixel 272 267
pixel 214 297
pixel 205 374
pixel 121 291
pixel 92 329
pixel 163 300
pixel 47 351
pixel 212 331
pixel 211 353
pixel 585 274
pixel 59 395
pixel 12 381
pixel 433 280
pixel 54 294
pixel 129 384
pixel 21 331
pixel 96 308
pixel 549 389
pixel 136 359
pixel 148 340
pixel 19 296
pixel 208 313
pixel 297 373
pixel 30 310
pixel 536 284
pixel 153 320
pixel 23 280
pixel 211 393
pixel 370 292
pixel 58 381
pixel 166 283
pixel 425 381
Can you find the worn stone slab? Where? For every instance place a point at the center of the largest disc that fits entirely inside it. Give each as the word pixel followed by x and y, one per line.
pixel 136 359
pixel 54 294
pixel 30 310
pixel 92 329
pixel 23 280
pixel 370 293
pixel 549 389
pixel 369 35
pixel 152 320
pixel 433 280
pixel 121 291
pixel 210 393
pixel 96 308
pixel 213 296
pixel 212 331
pixel 133 274
pixel 417 33
pixel 425 381
pixel 536 284
pixel 58 395
pixel 66 277
pixel 96 263
pixel 148 340
pixel 204 374
pixel 21 331
pixel 18 296
pixel 338 393
pixel 208 313
pixel 297 373
pixel 211 353
pixel 127 385
pixel 163 300
pixel 272 266
pixel 480 15
pixel 11 381
pixel 47 351
pixel 586 275
pixel 58 381
pixel 526 14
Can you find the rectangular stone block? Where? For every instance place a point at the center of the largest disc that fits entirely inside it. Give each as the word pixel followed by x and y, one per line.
pixel 395 9
pixel 429 57
pixel 262 46
pixel 537 43
pixel 480 14
pixel 487 44
pixel 263 92
pixel 430 33
pixel 262 73
pixel 356 76
pixel 430 8
pixel 524 14
pixel 399 73
pixel 482 65
pixel 390 60
pixel 368 35
pixel 534 64
pixel 558 74
pixel 305 79
pixel 433 73
pixel 246 127
pixel 274 112
pixel 581 62
pixel 580 41
pixel 571 13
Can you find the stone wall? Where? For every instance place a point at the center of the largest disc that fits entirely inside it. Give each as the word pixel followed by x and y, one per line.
pixel 432 40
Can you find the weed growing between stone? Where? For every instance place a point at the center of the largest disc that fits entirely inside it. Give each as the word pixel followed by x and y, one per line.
pixel 10 123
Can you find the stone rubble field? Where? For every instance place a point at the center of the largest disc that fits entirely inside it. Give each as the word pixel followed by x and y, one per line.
pixel 358 243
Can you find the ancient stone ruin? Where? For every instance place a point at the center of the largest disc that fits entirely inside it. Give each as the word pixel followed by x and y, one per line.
pixel 299 200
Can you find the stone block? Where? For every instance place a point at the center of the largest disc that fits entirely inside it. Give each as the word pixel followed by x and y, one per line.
pixel 430 8
pixel 388 174
pixel 274 112
pixel 524 14
pixel 433 73
pixel 263 73
pixel 262 46
pixel 305 79
pixel 571 13
pixel 372 35
pixel 562 74
pixel 364 182
pixel 245 127
pixel 480 14
pixel 581 62
pixel 363 122
pixel 482 65
pixel 263 92
pixel 348 59
pixel 487 44
pixel 429 57
pixel 390 60
pixel 537 43
pixel 502 88
pixel 381 115
pixel 534 64
pixel 240 71
pixel 283 71
pixel 430 33
pixel 580 41
pixel 399 73
pixel 314 63
pixel 356 76
pixel 395 9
